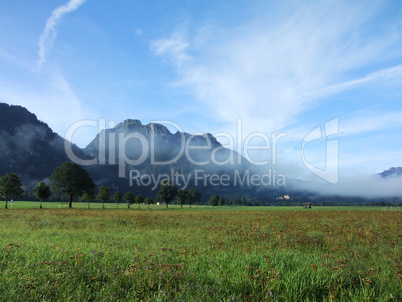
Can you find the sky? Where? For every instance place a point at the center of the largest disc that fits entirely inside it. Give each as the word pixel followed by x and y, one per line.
pixel 321 75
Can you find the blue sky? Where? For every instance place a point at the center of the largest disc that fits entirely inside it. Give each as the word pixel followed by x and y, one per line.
pixel 279 66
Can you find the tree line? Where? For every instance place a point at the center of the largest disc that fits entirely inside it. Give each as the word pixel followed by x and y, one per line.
pixel 75 182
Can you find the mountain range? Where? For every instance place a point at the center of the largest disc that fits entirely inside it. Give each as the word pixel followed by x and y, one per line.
pixel 391 172
pixel 129 157
pixel 136 157
pixel 28 146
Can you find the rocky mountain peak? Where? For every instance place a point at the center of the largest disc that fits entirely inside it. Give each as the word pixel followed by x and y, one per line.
pixel 393 171
pixel 129 123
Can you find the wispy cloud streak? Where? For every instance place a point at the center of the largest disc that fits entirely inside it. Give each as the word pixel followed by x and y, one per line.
pixel 271 71
pixel 383 74
pixel 49 32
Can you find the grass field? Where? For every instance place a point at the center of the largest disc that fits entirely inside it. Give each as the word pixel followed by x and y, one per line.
pixel 200 254
pixel 98 205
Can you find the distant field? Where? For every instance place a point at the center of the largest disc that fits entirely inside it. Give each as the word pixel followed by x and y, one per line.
pixel 202 254
pixel 97 205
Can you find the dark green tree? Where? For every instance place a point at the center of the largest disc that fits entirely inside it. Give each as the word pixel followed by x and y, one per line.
pixel 239 201
pixel 72 180
pixel 117 198
pixel 182 197
pixel 10 186
pixel 129 198
pixel 167 192
pixel 221 201
pixel 42 192
pixel 139 199
pixel 149 201
pixel 103 195
pixel 194 197
pixel 88 196
pixel 214 200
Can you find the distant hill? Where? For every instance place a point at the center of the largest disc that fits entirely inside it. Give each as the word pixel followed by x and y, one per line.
pixel 28 146
pixel 393 171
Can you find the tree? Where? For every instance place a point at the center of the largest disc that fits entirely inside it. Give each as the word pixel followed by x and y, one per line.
pixel 117 197
pixel 182 197
pixel 10 186
pixel 42 191
pixel 167 192
pixel 139 199
pixel 214 200
pixel 239 201
pixel 149 201
pixel 72 180
pixel 88 196
pixel 221 201
pixel 103 195
pixel 194 197
pixel 129 198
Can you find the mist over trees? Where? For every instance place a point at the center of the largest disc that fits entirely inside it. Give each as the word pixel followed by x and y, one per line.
pixel 10 186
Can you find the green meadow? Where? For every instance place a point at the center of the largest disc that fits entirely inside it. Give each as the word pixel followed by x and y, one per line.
pixel 199 254
pixel 122 205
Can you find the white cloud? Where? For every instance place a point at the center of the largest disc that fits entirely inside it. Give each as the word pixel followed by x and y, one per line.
pixel 49 32
pixel 383 74
pixel 173 48
pixel 270 71
pixel 368 187
pixel 52 100
pixel 371 122
pixel 12 58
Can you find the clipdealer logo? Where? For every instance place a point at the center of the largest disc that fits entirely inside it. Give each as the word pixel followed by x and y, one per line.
pixel 331 171
pixel 115 150
pixel 203 178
